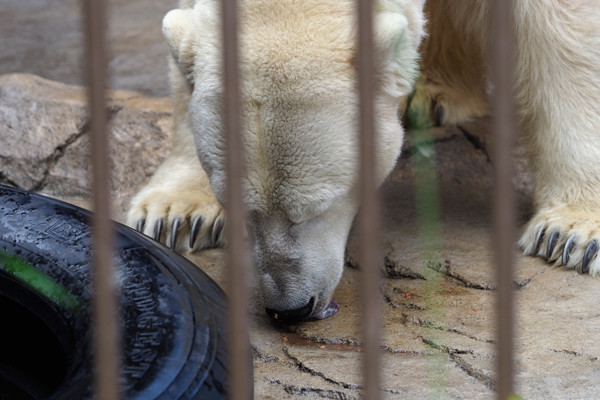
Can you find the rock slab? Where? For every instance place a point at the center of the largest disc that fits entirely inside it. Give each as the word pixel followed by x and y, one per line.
pixel 45 144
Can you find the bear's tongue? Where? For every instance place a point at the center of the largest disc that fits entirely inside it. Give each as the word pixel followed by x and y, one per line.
pixel 329 311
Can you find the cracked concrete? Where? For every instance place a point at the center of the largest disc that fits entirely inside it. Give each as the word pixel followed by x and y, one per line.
pixel 438 305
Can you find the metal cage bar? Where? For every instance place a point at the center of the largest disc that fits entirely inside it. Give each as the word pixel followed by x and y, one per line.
pixel 369 218
pixel 238 257
pixel 504 129
pixel 106 338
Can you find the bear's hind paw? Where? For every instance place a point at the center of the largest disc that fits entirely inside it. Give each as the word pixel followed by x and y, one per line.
pixel 565 236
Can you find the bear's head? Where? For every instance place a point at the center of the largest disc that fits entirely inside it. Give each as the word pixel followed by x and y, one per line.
pixel 300 123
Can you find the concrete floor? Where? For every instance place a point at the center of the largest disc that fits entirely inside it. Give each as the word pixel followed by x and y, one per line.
pixel 44 37
pixel 438 323
pixel 438 302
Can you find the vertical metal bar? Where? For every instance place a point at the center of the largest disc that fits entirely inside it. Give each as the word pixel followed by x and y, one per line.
pixel 504 198
pixel 369 218
pixel 237 255
pixel 105 303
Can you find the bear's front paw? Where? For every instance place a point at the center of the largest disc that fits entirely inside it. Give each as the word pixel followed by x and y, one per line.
pixel 183 220
pixel 564 235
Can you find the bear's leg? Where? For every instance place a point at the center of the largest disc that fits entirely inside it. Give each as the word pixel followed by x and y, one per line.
pixel 453 67
pixel 178 206
pixel 558 94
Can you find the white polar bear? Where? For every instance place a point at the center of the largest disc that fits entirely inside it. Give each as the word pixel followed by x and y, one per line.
pixel 300 126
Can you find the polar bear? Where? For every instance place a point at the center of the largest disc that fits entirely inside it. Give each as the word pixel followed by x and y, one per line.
pixel 300 126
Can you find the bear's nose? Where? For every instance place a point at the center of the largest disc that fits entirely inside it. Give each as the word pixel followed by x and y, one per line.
pixel 291 315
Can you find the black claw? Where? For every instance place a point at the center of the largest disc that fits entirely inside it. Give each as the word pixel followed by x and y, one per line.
pixel 538 240
pixel 158 229
pixel 552 244
pixel 217 230
pixel 436 112
pixel 196 225
pixel 590 253
pixel 174 230
pixel 140 225
pixel 439 115
pixel 569 246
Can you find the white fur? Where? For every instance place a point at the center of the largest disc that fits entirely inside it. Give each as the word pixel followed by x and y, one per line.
pixel 300 121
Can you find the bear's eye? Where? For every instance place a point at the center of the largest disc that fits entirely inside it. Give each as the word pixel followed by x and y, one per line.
pixel 302 213
pixel 307 224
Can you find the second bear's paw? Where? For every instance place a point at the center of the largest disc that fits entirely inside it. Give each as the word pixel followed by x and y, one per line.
pixel 567 236
pixel 183 220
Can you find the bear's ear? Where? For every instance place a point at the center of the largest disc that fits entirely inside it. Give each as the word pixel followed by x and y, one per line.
pixel 396 47
pixel 177 28
pixel 390 33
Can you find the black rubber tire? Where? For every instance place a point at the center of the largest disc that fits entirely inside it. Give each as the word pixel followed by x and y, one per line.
pixel 172 314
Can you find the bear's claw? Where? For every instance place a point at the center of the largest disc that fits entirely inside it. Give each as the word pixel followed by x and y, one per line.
pixel 590 253
pixel 174 230
pixel 552 240
pixel 139 226
pixel 438 113
pixel 568 249
pixel 196 225
pixel 158 229
pixel 217 230
pixel 538 239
